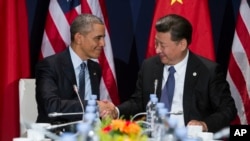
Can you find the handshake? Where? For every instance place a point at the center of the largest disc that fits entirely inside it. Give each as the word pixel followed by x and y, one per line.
pixel 107 109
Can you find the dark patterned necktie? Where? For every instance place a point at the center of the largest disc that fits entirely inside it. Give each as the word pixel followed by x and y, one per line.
pixel 168 90
pixel 82 81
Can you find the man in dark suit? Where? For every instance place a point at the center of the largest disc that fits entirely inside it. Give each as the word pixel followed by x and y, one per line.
pixel 201 91
pixel 57 74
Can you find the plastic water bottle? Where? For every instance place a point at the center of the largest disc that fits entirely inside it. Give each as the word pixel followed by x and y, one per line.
pixel 93 102
pixel 90 109
pixel 151 109
pixel 148 116
pixel 159 106
pixel 160 125
pixel 170 133
pixel 181 133
pixel 90 118
pixel 83 130
pixel 68 137
pixel 93 97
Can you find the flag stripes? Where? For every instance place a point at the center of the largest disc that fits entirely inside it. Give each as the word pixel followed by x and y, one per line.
pixel 106 58
pixel 51 31
pixel 239 64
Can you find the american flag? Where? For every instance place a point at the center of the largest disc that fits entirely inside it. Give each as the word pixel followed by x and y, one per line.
pixel 56 38
pixel 238 74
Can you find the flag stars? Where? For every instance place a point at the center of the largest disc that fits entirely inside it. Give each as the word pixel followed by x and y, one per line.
pixel 174 1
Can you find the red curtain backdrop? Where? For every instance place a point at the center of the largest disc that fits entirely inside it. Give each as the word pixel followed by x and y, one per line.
pixel 197 12
pixel 14 62
pixel 239 65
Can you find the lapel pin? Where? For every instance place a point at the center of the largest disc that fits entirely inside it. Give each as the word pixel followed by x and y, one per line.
pixel 194 74
pixel 94 73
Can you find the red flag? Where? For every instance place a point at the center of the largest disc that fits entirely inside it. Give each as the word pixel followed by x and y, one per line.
pixel 14 60
pixel 57 37
pixel 196 11
pixel 238 74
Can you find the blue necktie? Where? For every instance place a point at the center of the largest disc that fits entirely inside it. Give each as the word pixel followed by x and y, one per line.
pixel 168 90
pixel 82 81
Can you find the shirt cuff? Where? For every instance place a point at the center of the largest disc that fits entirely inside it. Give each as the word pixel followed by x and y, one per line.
pixel 118 112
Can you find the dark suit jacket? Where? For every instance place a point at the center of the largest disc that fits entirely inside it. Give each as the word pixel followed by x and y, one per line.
pixel 206 96
pixel 55 78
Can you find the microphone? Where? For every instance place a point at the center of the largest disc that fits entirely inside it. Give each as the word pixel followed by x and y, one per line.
pixel 77 93
pixel 175 113
pixel 155 85
pixel 55 114
pixel 62 125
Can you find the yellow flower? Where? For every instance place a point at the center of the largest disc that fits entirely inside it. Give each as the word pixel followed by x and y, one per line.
pixel 126 127
pixel 118 124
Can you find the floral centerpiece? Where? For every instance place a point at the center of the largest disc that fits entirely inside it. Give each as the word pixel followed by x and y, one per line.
pixel 121 130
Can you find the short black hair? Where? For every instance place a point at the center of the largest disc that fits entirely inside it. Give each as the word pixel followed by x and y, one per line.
pixel 178 26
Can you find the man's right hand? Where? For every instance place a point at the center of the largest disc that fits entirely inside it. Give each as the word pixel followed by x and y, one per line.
pixel 107 109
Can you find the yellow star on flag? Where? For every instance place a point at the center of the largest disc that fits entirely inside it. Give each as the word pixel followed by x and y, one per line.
pixel 173 1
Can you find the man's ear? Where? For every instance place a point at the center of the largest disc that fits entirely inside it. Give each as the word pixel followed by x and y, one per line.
pixel 183 44
pixel 78 38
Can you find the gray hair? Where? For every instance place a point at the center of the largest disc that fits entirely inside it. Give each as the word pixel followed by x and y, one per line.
pixel 83 24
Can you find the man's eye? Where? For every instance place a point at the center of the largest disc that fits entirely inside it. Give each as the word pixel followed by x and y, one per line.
pixel 98 38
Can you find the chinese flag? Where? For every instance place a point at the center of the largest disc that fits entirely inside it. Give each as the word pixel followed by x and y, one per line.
pixel 14 62
pixel 196 11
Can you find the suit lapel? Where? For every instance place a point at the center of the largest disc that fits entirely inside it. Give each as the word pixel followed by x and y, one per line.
pixel 192 74
pixel 69 73
pixel 158 75
pixel 94 79
pixel 67 67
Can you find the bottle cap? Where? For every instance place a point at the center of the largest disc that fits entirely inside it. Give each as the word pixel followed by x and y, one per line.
pixel 163 112
pixel 152 96
pixel 160 105
pixel 92 102
pixel 93 97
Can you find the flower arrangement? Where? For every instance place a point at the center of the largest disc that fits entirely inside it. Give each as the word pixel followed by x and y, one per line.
pixel 121 130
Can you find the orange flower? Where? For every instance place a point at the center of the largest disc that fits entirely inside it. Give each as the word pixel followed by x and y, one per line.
pixel 118 124
pixel 131 128
pixel 126 127
pixel 121 130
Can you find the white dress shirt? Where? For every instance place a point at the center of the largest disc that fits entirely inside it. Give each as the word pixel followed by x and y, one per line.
pixel 177 104
pixel 77 61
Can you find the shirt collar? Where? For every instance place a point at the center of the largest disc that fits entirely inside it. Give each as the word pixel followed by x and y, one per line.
pixel 76 60
pixel 179 65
